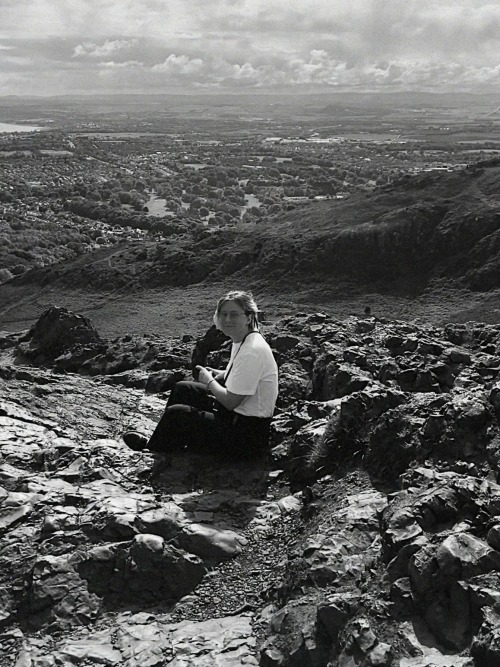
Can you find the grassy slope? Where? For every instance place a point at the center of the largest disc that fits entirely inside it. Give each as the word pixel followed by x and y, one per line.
pixel 411 250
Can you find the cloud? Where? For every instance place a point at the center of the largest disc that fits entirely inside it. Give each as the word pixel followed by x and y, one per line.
pixel 432 76
pixel 317 71
pixel 127 65
pixel 102 50
pixel 252 44
pixel 180 66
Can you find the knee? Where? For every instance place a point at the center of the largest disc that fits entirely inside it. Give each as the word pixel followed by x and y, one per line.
pixel 178 409
pixel 181 387
pixel 180 390
pixel 182 384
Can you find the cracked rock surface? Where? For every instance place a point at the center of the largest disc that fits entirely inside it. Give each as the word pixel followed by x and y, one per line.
pixel 371 535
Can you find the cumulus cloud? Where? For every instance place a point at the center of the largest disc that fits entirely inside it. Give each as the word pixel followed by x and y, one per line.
pixel 127 65
pixel 180 65
pixel 254 43
pixel 104 50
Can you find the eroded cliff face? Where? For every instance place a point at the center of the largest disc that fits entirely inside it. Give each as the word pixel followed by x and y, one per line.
pixel 371 535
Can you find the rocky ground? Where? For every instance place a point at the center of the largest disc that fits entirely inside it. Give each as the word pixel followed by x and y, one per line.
pixel 371 535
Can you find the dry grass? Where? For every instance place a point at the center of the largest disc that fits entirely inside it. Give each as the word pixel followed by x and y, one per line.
pixel 177 311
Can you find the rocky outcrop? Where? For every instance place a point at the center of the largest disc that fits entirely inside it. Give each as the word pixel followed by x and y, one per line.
pixel 370 537
pixel 67 342
pixel 57 331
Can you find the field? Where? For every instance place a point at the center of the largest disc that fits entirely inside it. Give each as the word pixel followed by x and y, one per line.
pixel 188 310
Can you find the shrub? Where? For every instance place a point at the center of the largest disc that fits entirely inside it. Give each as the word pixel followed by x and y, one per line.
pixel 5 275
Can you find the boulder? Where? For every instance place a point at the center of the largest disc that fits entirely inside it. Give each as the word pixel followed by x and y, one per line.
pixel 437 575
pixel 210 342
pixel 212 544
pixel 335 612
pixel 58 596
pixel 147 570
pixel 283 343
pixel 343 379
pixel 294 384
pixel 56 331
pixel 485 647
pixel 359 642
pixel 463 556
pixel 163 381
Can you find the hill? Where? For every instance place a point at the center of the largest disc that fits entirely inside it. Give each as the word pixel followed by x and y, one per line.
pixel 428 243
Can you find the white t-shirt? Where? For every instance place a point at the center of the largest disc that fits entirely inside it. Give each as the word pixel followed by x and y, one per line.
pixel 254 374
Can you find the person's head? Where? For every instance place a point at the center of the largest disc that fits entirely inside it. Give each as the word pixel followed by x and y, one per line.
pixel 236 314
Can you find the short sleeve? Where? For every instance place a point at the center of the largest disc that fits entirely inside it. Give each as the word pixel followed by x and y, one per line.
pixel 245 374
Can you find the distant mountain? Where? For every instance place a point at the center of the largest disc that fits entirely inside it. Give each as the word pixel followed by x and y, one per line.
pixel 297 102
pixel 413 99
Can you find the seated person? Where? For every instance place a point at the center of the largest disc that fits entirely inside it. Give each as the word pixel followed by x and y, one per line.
pixel 226 412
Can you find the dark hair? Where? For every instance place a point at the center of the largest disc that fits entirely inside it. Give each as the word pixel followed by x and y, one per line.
pixel 246 301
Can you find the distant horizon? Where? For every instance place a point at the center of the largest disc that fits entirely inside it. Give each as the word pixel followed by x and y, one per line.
pixel 49 48
pixel 253 93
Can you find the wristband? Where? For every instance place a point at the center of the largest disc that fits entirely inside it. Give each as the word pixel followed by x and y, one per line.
pixel 209 383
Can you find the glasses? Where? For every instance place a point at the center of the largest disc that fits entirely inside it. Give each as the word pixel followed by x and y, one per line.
pixel 231 315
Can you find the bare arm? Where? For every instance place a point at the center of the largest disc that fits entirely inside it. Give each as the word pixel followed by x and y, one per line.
pixel 217 374
pixel 225 397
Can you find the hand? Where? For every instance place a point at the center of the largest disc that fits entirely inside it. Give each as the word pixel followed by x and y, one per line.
pixel 204 374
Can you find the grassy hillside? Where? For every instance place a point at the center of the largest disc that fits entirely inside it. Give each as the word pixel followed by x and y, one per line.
pixel 431 234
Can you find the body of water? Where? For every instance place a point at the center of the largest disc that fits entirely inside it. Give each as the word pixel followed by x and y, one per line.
pixel 10 127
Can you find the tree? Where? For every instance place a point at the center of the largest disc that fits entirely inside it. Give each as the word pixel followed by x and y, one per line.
pixel 18 269
pixel 5 196
pixel 5 275
pixel 125 197
pixel 196 203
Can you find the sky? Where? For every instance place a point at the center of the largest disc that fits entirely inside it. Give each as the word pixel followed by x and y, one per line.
pixel 58 47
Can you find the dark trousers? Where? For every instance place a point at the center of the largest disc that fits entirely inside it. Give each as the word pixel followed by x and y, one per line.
pixel 195 421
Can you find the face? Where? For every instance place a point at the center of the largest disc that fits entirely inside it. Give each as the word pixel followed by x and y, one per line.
pixel 233 321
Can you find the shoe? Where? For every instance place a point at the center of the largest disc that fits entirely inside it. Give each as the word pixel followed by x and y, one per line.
pixel 135 440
